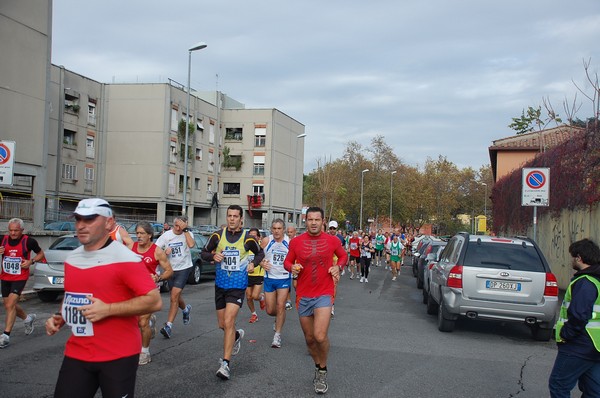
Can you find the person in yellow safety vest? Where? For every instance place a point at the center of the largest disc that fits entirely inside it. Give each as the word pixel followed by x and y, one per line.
pixel 578 327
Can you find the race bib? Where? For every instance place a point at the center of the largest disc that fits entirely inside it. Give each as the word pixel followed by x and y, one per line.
pixel 11 265
pixel 231 260
pixel 353 246
pixel 176 249
pixel 278 258
pixel 73 316
pixel 395 252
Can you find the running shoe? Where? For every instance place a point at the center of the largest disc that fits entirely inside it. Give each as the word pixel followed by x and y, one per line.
pixel 276 341
pixel 343 272
pixel 321 382
pixel 366 280
pixel 144 358
pixel 166 331
pixel 253 318
pixel 29 324
pixel 223 372
pixel 288 305
pixel 237 345
pixel 186 314
pixel 394 278
pixel 262 303
pixel 332 312
pixel 362 279
pixel 351 276
pixel 152 325
pixel 4 340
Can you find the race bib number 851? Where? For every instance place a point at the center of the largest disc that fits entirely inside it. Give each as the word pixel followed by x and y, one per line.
pixel 73 316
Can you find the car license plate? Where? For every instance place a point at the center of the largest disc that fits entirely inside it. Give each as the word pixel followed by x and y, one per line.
pixel 58 280
pixel 498 285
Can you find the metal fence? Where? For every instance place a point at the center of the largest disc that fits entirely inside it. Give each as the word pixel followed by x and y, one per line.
pixel 19 208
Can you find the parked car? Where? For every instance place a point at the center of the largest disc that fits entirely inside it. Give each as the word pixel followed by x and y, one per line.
pixel 494 278
pixel 420 249
pixel 430 260
pixel 421 263
pixel 200 267
pixel 60 226
pixel 206 229
pixel 158 227
pixel 49 278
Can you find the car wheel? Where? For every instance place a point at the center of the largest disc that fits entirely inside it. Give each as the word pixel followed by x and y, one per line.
pixel 48 296
pixel 444 324
pixel 419 282
pixel 414 269
pixel 196 274
pixel 540 334
pixel 425 296
pixel 432 307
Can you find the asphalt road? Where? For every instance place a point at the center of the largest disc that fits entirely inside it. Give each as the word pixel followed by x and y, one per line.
pixel 383 344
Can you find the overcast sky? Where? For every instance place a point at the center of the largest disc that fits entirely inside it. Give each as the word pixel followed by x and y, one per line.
pixel 438 77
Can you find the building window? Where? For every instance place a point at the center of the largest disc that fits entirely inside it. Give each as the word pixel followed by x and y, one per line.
pixel 71 103
pixel 211 161
pixel 211 134
pixel 259 169
pixel 171 184
pixel 233 133
pixel 69 171
pixel 89 174
pixel 197 184
pixel 198 153
pixel 172 152
pixel 91 113
pixel 90 147
pixel 182 152
pixel 260 136
pixel 230 188
pixel 69 137
pixel 181 183
pixel 174 121
pixel 258 189
pixel 199 125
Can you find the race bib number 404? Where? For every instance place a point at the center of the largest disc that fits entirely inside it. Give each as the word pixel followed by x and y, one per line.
pixel 71 313
pixel 231 260
pixel 11 265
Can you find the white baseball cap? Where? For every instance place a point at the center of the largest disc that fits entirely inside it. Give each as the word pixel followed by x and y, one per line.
pixel 333 224
pixel 92 207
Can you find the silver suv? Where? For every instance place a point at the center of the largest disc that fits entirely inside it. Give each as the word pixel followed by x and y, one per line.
pixel 493 278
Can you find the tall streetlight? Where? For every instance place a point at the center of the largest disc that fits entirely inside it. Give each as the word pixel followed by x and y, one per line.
pixel 473 230
pixel 362 181
pixel 391 198
pixel 196 47
pixel 298 137
pixel 485 201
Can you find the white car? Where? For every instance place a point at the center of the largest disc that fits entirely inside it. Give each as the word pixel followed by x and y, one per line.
pixel 49 278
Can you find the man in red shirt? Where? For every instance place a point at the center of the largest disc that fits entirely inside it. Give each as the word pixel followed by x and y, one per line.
pixel 310 257
pixel 15 250
pixel 104 348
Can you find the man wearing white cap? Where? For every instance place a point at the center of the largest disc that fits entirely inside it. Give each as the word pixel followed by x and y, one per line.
pixel 103 350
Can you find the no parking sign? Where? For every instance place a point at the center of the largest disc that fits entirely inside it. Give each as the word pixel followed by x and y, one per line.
pixel 536 187
pixel 7 161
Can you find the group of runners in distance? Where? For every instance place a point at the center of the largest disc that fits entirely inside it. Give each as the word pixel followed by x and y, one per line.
pixel 111 329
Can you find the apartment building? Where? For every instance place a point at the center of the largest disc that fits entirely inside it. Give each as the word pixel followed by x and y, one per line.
pixel 76 138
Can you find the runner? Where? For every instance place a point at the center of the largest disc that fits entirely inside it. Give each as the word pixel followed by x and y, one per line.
pixel 106 287
pixel 229 249
pixel 354 250
pixel 255 282
pixel 153 257
pixel 379 247
pixel 277 279
pixel 366 254
pixel 291 233
pixel 176 243
pixel 16 251
pixel 119 234
pixel 311 258
pixel 395 249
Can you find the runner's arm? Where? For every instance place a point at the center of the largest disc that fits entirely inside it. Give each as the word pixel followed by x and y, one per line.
pixel 164 263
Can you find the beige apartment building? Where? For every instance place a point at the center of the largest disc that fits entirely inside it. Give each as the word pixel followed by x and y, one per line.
pixel 76 138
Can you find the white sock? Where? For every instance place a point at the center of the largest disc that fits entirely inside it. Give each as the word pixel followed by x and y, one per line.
pixel 254 313
pixel 28 318
pixel 146 350
pixel 170 324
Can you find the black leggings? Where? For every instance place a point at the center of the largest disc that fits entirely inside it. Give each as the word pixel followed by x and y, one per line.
pixel 81 379
pixel 365 263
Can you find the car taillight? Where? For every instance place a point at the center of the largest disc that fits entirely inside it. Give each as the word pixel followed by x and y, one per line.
pixel 428 250
pixel 455 277
pixel 430 266
pixel 551 288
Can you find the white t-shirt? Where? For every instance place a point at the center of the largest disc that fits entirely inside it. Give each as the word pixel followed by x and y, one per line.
pixel 181 256
pixel 275 253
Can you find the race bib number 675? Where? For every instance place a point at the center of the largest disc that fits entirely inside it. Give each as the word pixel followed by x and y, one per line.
pixel 71 313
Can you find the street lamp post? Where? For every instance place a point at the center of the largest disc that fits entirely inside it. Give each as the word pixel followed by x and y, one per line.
pixel 362 180
pixel 485 201
pixel 391 197
pixel 298 137
pixel 198 46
